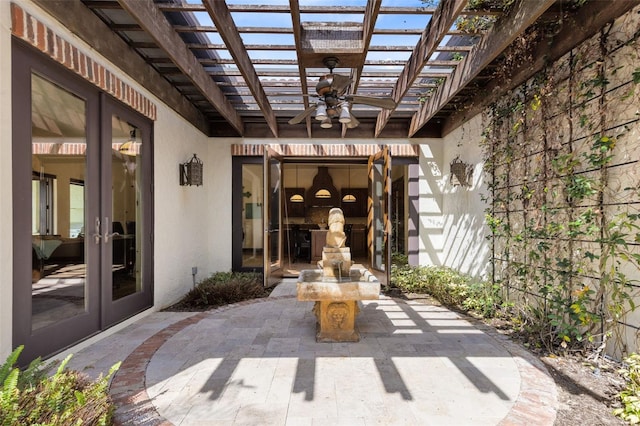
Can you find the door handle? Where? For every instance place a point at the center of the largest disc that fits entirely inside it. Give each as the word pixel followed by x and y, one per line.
pixel 108 235
pixel 97 236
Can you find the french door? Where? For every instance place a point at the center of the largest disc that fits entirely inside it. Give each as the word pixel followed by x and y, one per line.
pixel 379 220
pixel 81 208
pixel 272 207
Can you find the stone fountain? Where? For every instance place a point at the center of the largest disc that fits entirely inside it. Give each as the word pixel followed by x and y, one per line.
pixel 337 286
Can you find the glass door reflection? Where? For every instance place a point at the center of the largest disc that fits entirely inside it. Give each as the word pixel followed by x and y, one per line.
pixel 59 142
pixel 125 211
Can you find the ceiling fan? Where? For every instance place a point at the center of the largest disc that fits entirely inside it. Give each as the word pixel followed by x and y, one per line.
pixel 333 102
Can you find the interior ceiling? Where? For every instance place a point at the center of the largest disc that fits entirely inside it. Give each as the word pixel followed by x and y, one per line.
pixel 246 67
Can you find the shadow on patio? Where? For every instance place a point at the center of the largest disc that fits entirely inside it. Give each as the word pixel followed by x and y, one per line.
pixel 258 363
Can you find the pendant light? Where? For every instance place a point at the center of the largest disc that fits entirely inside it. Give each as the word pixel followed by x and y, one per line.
pixel 297 198
pixel 349 198
pixel 129 147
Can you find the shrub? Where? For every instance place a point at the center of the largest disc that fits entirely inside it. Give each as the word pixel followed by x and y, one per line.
pixel 65 398
pixel 223 288
pixel 630 396
pixel 450 287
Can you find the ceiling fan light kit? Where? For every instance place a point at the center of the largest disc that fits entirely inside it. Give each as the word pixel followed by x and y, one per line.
pixel 334 102
pixel 321 111
pixel 345 117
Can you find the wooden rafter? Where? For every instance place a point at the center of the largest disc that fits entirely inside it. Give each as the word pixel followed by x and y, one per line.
pixel 156 25
pixel 442 20
pixel 370 17
pixel 219 13
pixel 522 14
pixel 588 20
pixel 294 6
pixel 80 20
pixel 369 23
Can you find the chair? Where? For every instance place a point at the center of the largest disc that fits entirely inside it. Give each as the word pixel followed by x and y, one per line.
pixel 301 244
pixel 117 227
pixel 347 232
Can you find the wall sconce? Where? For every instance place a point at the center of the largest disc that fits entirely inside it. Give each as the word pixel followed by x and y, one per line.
pixel 191 172
pixel 461 173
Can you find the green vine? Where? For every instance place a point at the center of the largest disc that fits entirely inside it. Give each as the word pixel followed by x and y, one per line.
pixel 564 253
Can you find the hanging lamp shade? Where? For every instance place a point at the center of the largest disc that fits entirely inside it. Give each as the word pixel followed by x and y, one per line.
pixel 129 147
pixel 323 193
pixel 297 198
pixel 349 197
pixel 345 116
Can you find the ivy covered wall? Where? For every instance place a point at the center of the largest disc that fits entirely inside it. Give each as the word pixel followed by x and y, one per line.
pixel 562 167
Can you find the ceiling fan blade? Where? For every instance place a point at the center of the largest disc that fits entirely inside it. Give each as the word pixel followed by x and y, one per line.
pixel 304 114
pixel 386 103
pixel 340 83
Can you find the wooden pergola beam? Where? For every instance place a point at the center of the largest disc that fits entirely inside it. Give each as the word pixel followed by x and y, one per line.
pixel 522 14
pixel 584 24
pixel 369 23
pixel 294 6
pixel 81 21
pixel 221 16
pixel 444 17
pixel 153 21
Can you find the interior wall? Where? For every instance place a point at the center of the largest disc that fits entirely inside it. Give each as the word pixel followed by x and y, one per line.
pixel 6 227
pixel 464 243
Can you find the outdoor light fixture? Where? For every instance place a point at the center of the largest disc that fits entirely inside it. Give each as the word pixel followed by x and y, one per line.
pixel 191 172
pixel 326 123
pixel 461 173
pixel 321 111
pixel 349 198
pixel 296 198
pixel 345 117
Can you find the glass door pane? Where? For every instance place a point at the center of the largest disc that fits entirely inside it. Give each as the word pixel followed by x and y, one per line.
pixel 379 219
pixel 272 217
pixel 252 226
pixel 59 145
pixel 126 149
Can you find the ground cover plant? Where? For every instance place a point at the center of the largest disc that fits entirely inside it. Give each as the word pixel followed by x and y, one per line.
pixel 223 288
pixel 66 398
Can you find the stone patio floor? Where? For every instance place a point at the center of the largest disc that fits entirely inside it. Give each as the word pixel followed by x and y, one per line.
pixel 257 363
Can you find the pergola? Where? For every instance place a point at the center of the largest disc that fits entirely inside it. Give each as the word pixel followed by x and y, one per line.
pixel 235 69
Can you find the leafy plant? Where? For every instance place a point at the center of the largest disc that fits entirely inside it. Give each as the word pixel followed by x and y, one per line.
pixel 223 288
pixel 450 287
pixel 65 398
pixel 630 396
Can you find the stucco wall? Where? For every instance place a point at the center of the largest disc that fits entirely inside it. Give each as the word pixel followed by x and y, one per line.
pixel 430 202
pixel 6 269
pixel 465 247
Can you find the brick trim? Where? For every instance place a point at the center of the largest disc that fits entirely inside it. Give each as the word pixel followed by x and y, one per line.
pixel 328 150
pixel 28 28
